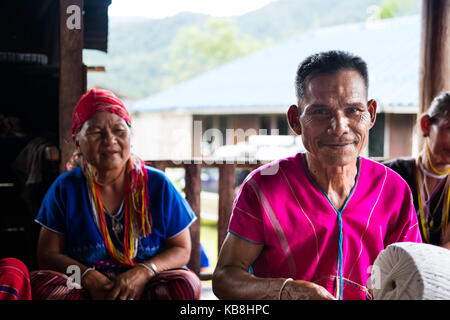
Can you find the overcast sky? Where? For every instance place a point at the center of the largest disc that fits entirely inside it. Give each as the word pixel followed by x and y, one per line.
pixel 164 8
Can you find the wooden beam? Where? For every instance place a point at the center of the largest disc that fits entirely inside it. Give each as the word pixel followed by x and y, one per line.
pixel 192 191
pixel 435 51
pixel 227 178
pixel 204 164
pixel 72 80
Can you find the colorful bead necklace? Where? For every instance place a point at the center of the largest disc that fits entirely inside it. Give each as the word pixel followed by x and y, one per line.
pixel 137 218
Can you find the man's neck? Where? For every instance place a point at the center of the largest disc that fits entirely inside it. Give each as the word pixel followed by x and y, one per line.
pixel 336 181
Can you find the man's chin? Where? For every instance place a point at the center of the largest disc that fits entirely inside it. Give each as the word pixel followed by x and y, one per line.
pixel 339 159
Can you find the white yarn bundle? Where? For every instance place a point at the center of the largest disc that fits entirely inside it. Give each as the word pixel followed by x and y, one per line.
pixel 411 271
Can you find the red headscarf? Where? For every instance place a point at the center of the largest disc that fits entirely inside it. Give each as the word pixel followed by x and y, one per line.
pixel 94 101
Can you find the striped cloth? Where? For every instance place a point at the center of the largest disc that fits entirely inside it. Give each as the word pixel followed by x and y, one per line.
pixel 175 284
pixel 52 285
pixel 14 280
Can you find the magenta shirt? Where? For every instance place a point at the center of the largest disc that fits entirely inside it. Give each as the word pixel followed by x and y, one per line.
pixel 282 207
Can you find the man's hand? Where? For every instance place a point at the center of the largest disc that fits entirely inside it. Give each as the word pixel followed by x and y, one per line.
pixel 304 290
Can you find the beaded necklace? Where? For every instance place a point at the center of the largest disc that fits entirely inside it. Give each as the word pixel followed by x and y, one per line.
pixel 137 222
pixel 421 183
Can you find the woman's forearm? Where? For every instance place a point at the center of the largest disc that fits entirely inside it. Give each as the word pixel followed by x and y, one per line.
pixel 176 254
pixel 58 262
pixel 171 258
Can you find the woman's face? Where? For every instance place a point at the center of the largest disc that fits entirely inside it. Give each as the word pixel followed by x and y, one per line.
pixel 104 141
pixel 439 140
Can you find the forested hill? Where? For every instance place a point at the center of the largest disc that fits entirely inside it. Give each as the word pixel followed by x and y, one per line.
pixel 148 55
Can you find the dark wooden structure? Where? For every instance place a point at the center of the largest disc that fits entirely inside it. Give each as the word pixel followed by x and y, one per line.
pixel 435 51
pixel 42 77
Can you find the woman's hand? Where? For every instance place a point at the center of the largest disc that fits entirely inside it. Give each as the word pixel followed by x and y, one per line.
pixel 130 284
pixel 97 284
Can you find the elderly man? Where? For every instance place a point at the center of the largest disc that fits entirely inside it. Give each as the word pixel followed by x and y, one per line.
pixel 310 226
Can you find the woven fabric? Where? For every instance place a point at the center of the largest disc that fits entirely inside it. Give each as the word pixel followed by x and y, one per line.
pixel 14 280
pixel 175 284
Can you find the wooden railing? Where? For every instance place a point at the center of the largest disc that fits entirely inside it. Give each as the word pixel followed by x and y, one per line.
pixel 193 187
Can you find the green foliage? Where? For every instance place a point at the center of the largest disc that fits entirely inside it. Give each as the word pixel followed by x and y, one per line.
pixel 149 55
pixel 392 8
pixel 198 49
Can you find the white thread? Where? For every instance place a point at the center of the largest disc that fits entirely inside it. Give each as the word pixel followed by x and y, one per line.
pixel 412 271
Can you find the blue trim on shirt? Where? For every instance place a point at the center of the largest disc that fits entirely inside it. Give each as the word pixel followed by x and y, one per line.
pixel 340 262
pixel 245 239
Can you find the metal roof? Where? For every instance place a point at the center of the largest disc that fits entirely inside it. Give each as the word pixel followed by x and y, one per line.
pixel 265 78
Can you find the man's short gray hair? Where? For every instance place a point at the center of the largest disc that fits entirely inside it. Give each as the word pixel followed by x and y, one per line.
pixel 328 62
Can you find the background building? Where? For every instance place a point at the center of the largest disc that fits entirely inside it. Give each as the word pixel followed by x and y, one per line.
pixel 254 92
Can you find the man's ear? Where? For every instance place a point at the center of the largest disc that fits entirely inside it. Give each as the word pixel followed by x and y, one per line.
pixel 294 119
pixel 425 124
pixel 372 108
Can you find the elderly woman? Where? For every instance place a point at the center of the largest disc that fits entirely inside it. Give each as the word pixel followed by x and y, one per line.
pixel 118 223
pixel 428 175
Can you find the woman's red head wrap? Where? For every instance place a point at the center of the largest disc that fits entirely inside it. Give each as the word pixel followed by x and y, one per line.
pixel 97 100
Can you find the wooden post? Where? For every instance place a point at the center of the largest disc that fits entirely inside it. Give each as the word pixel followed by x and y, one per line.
pixel 227 178
pixel 435 51
pixel 192 190
pixel 158 165
pixel 72 74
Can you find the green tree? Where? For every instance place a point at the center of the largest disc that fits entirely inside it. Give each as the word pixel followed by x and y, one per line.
pixel 392 8
pixel 198 49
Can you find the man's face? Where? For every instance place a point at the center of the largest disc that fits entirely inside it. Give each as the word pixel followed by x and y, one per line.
pixel 336 117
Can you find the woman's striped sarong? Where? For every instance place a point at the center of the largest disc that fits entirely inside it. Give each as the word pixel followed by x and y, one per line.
pixel 14 280
pixel 175 284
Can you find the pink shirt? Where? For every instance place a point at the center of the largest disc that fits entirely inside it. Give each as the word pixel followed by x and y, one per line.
pixel 282 207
